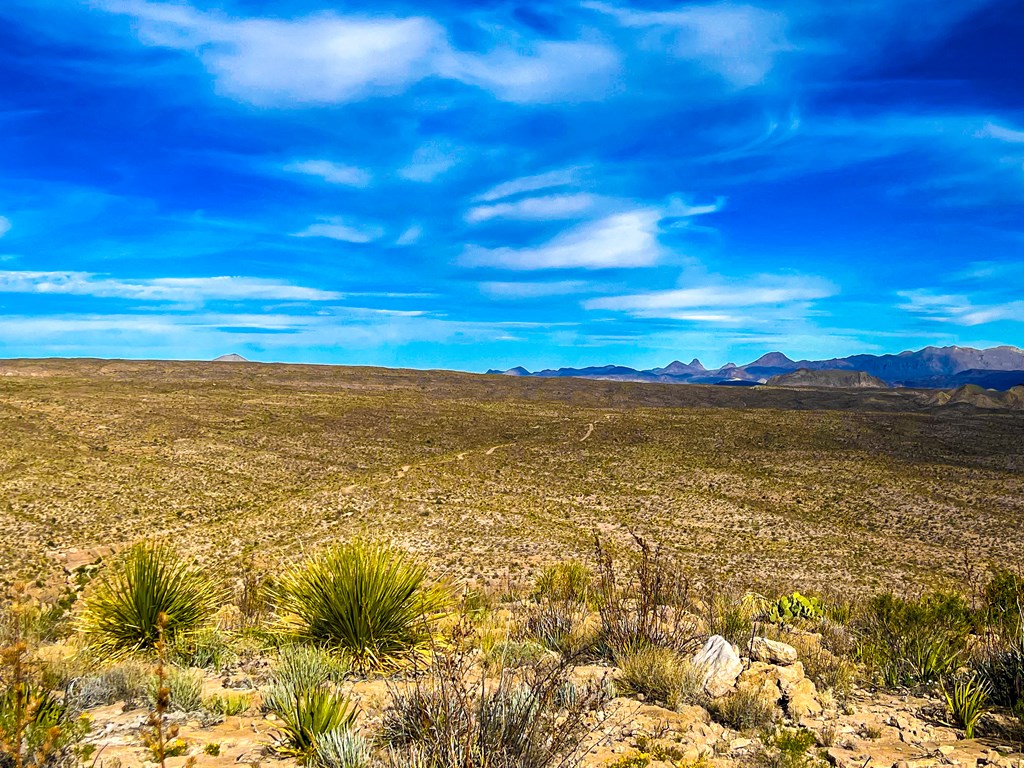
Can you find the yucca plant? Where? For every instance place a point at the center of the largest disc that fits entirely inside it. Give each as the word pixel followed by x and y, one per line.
pixel 121 614
pixel 343 749
pixel 307 716
pixel 967 702
pixel 368 600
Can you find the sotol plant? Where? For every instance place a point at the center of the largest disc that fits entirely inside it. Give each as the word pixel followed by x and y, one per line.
pixel 121 614
pixel 368 600
pixel 967 699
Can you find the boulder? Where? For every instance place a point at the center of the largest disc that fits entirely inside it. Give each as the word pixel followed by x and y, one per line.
pixel 721 665
pixel 772 651
pixel 801 700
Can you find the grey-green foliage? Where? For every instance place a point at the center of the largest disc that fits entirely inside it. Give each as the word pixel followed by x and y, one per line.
pixel 343 748
pixel 186 687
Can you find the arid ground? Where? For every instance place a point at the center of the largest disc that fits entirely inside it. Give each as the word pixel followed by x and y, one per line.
pixel 490 476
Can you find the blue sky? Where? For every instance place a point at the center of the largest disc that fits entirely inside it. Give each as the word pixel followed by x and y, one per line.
pixel 438 184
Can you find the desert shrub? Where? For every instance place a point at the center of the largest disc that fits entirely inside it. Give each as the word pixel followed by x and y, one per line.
pixel 787 748
pixel 966 699
pixel 121 611
pixel 827 670
pixel 908 642
pixel 520 719
pixel 207 648
pixel 745 709
pixel 125 681
pixel 730 617
pixel 39 726
pixel 661 675
pixel 227 704
pixel 568 582
pixel 253 595
pixel 560 627
pixel 369 600
pixel 647 604
pixel 302 667
pixel 342 749
pixel 1004 597
pixel 185 686
pixel 1000 667
pixel 792 607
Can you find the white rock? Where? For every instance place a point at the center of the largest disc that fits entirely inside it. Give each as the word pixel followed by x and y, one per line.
pixel 721 666
pixel 772 651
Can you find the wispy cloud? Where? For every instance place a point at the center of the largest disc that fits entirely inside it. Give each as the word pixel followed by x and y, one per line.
pixel 958 309
pixel 719 302
pixel 5 225
pixel 525 290
pixel 332 173
pixel 338 228
pixel 546 207
pixel 628 239
pixel 430 161
pixel 174 289
pixel 559 178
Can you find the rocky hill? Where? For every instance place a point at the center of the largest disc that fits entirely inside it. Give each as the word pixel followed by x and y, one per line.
pixel 804 377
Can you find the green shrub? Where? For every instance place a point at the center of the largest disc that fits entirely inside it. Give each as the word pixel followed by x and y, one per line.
pixel 302 667
pixel 662 676
pixel 568 582
pixel 967 699
pixel 1004 596
pixel 787 748
pixel 186 687
pixel 50 731
pixel 1000 667
pixel 121 611
pixel 369 600
pixel 207 648
pixel 228 704
pixel 744 710
pixel 908 642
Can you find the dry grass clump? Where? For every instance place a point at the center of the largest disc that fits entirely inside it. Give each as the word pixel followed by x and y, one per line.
pixel 661 676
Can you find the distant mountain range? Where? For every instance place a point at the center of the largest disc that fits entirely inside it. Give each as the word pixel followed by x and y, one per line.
pixel 929 368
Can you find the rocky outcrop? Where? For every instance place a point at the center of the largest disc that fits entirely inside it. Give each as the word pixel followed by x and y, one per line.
pixel 772 651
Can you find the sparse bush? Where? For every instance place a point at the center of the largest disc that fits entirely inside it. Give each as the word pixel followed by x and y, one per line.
pixel 661 675
pixel 1000 667
pixel 207 648
pixel 125 681
pixel 966 699
pixel 787 748
pixel 302 667
pixel 121 611
pixel 520 720
pixel 744 710
pixel 560 627
pixel 647 606
pixel 185 686
pixel 369 600
pixel 1004 598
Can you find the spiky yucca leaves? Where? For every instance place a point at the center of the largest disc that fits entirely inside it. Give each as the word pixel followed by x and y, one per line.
pixel 368 600
pixel 307 715
pixel 967 699
pixel 121 614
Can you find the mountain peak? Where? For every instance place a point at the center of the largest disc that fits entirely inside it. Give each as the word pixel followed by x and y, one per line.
pixel 677 368
pixel 771 360
pixel 232 358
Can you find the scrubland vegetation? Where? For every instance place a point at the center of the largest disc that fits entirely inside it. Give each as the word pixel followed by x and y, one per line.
pixel 343 568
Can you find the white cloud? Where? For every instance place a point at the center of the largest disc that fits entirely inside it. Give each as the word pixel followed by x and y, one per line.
pixel 411 236
pixel 546 207
pixel 342 229
pixel 740 43
pixel 179 289
pixel 430 161
pixel 332 173
pixel 330 58
pixel 523 290
pixel 550 71
pixel 627 239
pixel 5 225
pixel 1002 133
pixel 717 302
pixel 559 178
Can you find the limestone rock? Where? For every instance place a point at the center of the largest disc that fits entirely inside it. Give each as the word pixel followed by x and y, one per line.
pixel 772 651
pixel 721 666
pixel 801 700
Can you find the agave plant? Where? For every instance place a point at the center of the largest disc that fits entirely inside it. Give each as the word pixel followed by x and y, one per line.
pixel 121 614
pixel 368 600
pixel 307 715
pixel 967 702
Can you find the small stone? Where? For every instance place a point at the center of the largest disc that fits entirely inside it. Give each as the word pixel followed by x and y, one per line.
pixel 772 651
